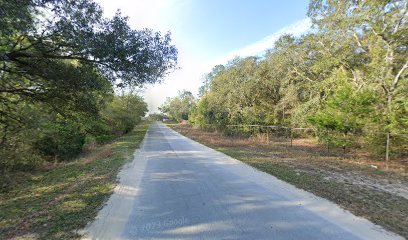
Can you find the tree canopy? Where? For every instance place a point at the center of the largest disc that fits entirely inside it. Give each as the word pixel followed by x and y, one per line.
pixel 52 51
pixel 60 64
pixel 347 76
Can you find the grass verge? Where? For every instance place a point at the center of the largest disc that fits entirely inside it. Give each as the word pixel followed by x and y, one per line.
pixel 352 184
pixel 54 204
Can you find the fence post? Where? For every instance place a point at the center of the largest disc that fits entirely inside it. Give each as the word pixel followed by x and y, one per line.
pixel 387 150
pixel 291 137
pixel 328 142
pixel 267 135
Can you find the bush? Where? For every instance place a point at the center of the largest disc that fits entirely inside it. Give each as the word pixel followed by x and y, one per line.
pixel 49 135
pixel 62 141
pixel 123 113
pixel 344 113
pixel 18 155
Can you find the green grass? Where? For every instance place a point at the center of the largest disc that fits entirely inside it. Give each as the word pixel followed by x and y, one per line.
pixel 54 204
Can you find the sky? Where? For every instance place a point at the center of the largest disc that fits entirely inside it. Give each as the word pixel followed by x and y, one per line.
pixel 210 32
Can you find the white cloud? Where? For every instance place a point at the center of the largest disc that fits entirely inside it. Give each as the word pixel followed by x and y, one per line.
pixel 163 15
pixel 259 47
pixel 159 15
pixel 189 77
pixel 142 13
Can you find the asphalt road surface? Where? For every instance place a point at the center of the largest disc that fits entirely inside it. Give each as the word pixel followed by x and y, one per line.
pixel 179 189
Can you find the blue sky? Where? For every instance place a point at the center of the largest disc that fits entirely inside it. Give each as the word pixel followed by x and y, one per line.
pixel 222 26
pixel 210 32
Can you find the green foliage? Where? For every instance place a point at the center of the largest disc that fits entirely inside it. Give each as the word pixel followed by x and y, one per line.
pixel 47 135
pixel 61 140
pixel 124 112
pixel 344 112
pixel 55 203
pixel 60 62
pixel 98 131
pixel 179 107
pixel 207 113
pixel 156 117
pixel 347 78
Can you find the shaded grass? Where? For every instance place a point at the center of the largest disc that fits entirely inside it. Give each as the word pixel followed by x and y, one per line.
pixel 54 204
pixel 311 171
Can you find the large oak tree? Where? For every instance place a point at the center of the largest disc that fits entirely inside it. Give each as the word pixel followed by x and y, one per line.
pixel 61 52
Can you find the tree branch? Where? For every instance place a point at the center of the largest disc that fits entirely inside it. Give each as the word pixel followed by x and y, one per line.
pixel 401 19
pixel 398 77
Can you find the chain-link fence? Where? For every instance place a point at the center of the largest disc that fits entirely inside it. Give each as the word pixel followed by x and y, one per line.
pixel 386 146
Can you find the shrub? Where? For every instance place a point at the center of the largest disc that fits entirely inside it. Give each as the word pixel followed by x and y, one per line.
pixel 61 140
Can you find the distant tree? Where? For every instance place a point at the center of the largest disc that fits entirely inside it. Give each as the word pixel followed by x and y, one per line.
pixel 179 107
pixel 124 112
pixel 156 117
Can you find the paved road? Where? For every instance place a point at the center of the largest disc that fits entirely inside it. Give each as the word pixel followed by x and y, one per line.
pixel 178 189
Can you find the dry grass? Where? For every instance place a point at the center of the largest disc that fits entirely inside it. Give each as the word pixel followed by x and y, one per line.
pixel 378 193
pixel 101 152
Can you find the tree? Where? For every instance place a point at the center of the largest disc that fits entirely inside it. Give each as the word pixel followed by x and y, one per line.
pixel 156 116
pixel 348 77
pixel 60 61
pixel 51 50
pixel 124 112
pixel 376 32
pixel 345 112
pixel 208 78
pixel 179 107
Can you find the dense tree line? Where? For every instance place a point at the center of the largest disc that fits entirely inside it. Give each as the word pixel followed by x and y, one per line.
pixel 347 76
pixel 61 62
